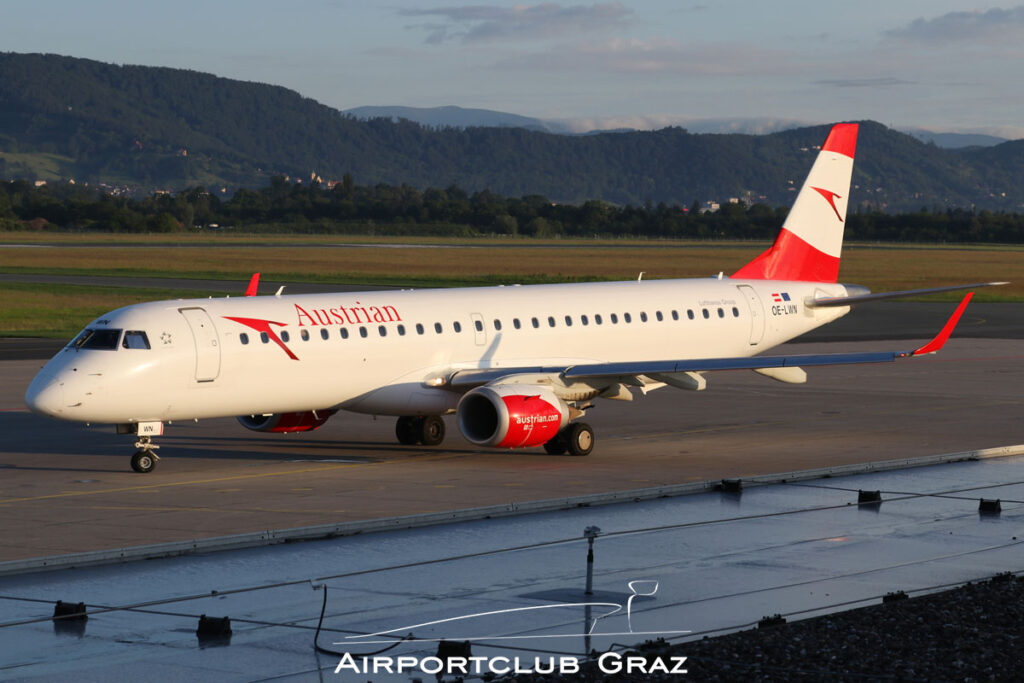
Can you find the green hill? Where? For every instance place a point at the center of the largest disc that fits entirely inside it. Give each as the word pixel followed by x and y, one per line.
pixel 151 127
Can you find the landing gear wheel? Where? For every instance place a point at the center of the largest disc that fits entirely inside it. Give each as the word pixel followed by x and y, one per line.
pixel 143 462
pixel 556 446
pixel 579 437
pixel 407 430
pixel 431 430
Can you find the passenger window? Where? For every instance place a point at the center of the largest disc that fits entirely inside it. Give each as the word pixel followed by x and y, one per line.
pixel 721 313
pixel 615 319
pixel 457 325
pixel 134 339
pixel 627 317
pixel 401 330
pixel 362 332
pixel 479 325
pixel 419 328
pixel 536 323
pixel 597 318
pixel 675 314
pixel 689 313
pixel 344 333
pixel 568 321
pixel 325 333
pixel 515 323
pixel 643 316
pixel 497 325
pixel 437 328
pixel 244 338
pixel 383 331
pixel 707 314
pixel 285 336
pixel 264 337
pixel 735 312
pixel 304 334
pixel 659 316
pixel 584 320
pixel 551 321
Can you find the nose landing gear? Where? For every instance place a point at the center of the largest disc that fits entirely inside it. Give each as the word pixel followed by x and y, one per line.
pixel 145 458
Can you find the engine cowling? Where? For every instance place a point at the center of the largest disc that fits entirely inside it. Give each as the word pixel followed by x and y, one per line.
pixel 511 415
pixel 286 422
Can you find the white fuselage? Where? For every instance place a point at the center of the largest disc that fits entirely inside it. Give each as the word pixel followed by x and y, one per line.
pixel 382 352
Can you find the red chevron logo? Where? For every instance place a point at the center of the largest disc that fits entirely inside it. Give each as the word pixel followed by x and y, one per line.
pixel 831 198
pixel 263 326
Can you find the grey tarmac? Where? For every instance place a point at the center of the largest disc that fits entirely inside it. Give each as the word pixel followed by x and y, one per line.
pixel 68 488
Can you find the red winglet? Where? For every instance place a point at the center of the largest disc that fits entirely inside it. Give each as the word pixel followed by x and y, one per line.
pixel 254 284
pixel 940 339
pixel 842 139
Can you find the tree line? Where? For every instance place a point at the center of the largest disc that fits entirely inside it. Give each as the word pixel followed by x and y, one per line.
pixel 347 208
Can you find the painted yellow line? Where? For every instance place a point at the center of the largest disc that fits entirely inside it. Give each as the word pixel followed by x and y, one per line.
pixel 211 509
pixel 152 487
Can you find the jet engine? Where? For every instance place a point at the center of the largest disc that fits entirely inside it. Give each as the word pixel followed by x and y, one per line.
pixel 286 422
pixel 511 415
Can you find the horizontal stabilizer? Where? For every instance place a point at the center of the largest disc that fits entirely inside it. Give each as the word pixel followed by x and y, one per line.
pixel 827 302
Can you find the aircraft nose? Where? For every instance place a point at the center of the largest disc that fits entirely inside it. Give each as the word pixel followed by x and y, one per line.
pixel 45 395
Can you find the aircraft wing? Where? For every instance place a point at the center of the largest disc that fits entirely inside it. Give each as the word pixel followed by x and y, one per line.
pixel 826 302
pixel 583 372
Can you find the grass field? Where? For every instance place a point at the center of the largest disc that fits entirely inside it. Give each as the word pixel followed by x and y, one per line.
pixel 58 310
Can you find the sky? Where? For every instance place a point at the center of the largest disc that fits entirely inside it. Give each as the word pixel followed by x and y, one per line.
pixel 944 65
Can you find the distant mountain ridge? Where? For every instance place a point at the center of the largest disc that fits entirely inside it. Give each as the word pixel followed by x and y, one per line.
pixel 462 117
pixel 154 127
pixel 457 117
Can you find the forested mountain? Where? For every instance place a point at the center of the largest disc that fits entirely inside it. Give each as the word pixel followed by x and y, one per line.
pixel 170 128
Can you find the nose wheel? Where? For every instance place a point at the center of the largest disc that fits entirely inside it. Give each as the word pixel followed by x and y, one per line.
pixel 145 458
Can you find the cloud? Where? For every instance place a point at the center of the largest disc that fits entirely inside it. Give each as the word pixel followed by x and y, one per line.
pixel 880 82
pixel 480 23
pixel 965 26
pixel 658 56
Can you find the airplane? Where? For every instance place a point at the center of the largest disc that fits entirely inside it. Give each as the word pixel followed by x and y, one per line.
pixel 518 366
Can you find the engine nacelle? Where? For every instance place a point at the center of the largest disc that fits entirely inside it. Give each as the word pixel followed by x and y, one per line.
pixel 286 422
pixel 511 415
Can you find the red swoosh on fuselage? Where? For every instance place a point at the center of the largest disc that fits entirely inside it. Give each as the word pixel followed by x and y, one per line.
pixel 264 326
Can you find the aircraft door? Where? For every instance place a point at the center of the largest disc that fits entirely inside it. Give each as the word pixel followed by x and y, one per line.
pixel 204 334
pixel 756 313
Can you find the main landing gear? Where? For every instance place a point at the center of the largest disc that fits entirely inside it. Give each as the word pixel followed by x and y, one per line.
pixel 413 429
pixel 576 438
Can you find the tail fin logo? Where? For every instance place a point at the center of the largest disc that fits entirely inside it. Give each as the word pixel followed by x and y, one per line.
pixel 263 327
pixel 831 198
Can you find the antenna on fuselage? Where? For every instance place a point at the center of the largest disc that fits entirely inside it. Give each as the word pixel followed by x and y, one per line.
pixel 640 276
pixel 279 290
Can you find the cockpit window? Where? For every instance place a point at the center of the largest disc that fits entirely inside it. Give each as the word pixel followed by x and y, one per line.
pixel 97 339
pixel 135 339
